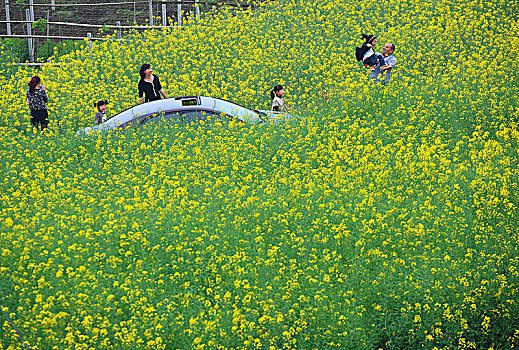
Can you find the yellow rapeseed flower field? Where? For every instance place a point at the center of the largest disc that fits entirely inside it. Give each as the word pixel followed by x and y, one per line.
pixel 386 218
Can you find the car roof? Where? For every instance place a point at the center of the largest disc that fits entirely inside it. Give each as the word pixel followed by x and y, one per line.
pixel 163 105
pixel 184 103
pixel 174 103
pixel 180 103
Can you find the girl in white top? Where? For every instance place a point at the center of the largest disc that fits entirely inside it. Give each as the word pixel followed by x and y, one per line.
pixel 276 94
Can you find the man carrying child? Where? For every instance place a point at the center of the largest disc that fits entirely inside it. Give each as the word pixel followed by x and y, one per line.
pixel 366 52
pixel 384 71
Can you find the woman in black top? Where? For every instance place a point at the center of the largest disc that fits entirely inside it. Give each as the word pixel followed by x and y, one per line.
pixel 37 100
pixel 149 85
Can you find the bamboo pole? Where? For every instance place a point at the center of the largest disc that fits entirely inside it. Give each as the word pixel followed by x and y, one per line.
pixel 31 7
pixel 179 12
pixel 164 15
pixel 58 37
pixel 92 25
pixel 150 5
pixel 119 34
pixel 39 64
pixel 29 35
pixel 138 2
pixel 8 17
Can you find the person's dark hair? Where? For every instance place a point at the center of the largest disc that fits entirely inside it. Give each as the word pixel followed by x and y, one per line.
pixel 143 68
pixel 368 38
pixel 274 90
pixel 100 103
pixel 33 83
pixel 392 47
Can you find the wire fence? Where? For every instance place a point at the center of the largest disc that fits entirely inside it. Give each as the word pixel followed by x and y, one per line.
pixel 37 22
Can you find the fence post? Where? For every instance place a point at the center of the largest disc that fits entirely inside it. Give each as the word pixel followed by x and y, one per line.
pixel 8 17
pixel 164 15
pixel 89 36
pixel 32 9
pixel 197 10
pixel 29 33
pixel 119 35
pixel 48 16
pixel 53 2
pixel 150 4
pixel 179 10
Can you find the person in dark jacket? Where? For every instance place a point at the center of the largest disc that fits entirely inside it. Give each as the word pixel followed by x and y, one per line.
pixel 369 57
pixel 37 100
pixel 149 85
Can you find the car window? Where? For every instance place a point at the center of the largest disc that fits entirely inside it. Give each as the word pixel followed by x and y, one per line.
pixel 164 116
pixel 185 117
pixel 206 116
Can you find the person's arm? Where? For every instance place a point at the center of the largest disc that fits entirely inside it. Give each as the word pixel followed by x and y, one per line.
pixel 391 61
pixel 141 92
pixel 159 86
pixel 44 94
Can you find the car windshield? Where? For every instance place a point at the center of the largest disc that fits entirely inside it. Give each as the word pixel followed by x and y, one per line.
pixel 239 111
pixel 262 114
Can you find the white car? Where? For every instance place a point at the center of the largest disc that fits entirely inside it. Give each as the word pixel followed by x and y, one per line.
pixel 186 109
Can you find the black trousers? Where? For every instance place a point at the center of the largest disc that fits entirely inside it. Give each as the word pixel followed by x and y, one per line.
pixel 39 117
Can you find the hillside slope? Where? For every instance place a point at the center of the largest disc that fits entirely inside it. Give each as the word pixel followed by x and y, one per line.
pixel 386 218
